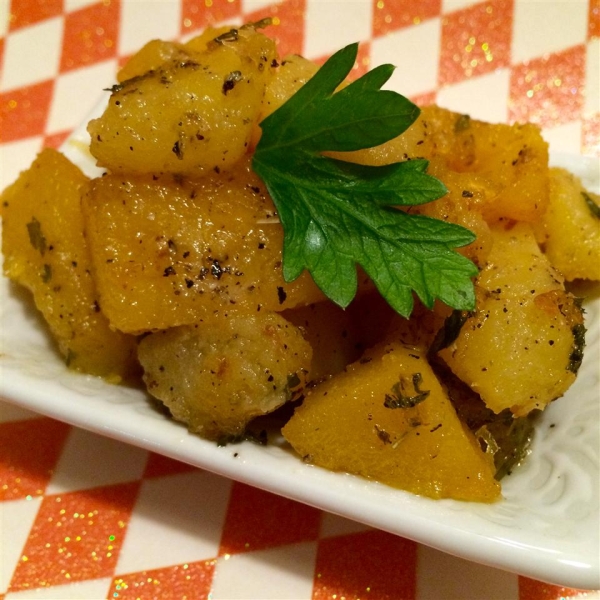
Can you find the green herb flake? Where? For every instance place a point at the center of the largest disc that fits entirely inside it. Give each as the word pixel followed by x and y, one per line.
pixel 336 214
pixel 46 273
pixel 293 381
pixel 450 331
pixel 593 207
pixel 70 357
pixel 576 356
pixel 402 396
pixel 36 237
pixel 256 437
pixel 508 440
pixel 462 123
pixel 383 435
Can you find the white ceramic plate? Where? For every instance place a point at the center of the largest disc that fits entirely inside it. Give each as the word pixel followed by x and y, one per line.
pixel 546 526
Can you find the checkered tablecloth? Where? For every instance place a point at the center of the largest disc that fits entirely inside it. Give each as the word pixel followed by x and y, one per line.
pixel 86 517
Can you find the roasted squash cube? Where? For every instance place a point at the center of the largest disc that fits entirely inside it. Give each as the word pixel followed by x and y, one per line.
pixel 45 250
pixel 217 375
pixel 189 115
pixel 569 230
pixel 511 161
pixel 387 418
pixel 521 347
pixel 170 252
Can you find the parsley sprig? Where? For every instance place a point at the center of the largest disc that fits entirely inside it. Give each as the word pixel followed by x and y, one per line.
pixel 337 214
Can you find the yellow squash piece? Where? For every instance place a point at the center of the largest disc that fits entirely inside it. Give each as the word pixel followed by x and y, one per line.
pixel 170 252
pixel 512 159
pixel 345 425
pixel 510 162
pixel 570 229
pixel 190 115
pixel 45 250
pixel 152 55
pixel 521 347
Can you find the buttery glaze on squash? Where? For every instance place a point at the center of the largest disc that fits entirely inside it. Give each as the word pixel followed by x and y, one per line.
pixel 171 262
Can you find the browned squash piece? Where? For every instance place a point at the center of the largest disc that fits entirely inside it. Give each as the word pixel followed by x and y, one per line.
pixel 570 229
pixel 155 53
pixel 387 418
pixel 170 252
pixel 293 72
pixel 521 347
pixel 514 158
pixel 467 195
pixel 188 115
pixel 219 374
pixel 151 55
pixel 333 334
pixel 510 160
pixel 45 250
pixel 339 337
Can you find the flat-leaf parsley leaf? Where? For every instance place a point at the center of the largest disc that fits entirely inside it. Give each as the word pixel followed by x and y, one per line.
pixel 337 214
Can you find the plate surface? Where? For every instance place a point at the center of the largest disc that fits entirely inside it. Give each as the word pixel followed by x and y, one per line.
pixel 545 527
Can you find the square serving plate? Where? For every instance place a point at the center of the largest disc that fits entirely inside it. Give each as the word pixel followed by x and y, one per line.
pixel 546 526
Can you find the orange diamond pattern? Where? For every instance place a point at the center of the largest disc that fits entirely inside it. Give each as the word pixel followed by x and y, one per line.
pixel 288 24
pixel 191 581
pixel 90 35
pixel 591 135
pixel 29 12
pixel 475 41
pixel 389 15
pixel 158 466
pixel 24 111
pixel 549 90
pixel 530 589
pixel 55 140
pixel 384 569
pixel 77 536
pixel 594 19
pixel 29 451
pixel 257 520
